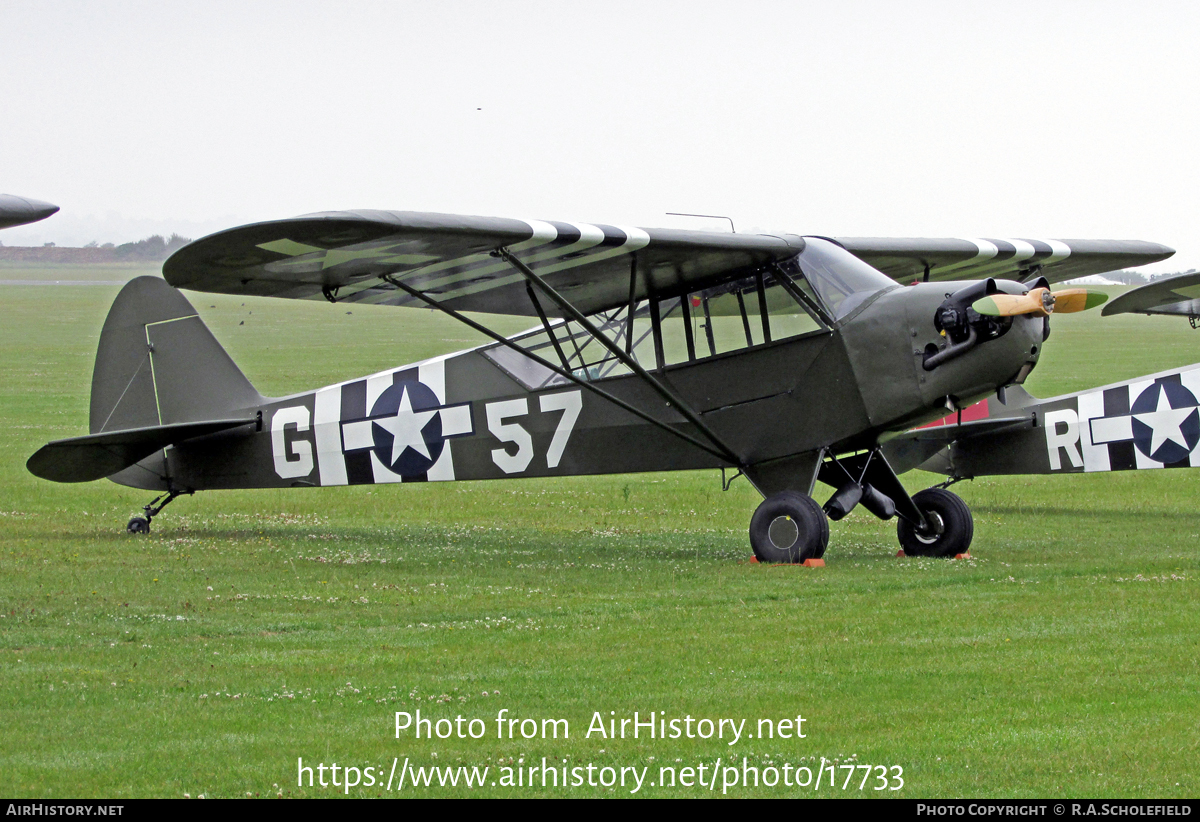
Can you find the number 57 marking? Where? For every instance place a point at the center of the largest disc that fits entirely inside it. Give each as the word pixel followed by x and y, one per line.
pixel 569 402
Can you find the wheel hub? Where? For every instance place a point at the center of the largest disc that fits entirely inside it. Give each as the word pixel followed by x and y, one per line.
pixel 783 532
pixel 936 528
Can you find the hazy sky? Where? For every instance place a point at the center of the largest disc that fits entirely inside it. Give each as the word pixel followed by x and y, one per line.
pixel 1040 119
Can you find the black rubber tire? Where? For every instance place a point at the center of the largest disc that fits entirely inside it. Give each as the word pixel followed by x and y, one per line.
pixel 950 516
pixel 801 528
pixel 138 525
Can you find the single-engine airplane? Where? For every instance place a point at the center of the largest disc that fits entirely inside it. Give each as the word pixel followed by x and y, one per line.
pixel 789 359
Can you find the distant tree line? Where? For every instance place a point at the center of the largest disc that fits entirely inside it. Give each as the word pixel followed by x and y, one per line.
pixel 153 248
pixel 1131 276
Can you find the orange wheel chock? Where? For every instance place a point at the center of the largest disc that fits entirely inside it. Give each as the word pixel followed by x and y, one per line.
pixel 808 563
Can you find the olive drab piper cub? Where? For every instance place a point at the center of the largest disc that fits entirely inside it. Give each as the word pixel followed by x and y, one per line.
pixel 792 360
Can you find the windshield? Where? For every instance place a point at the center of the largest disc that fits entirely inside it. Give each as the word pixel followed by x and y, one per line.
pixel 841 280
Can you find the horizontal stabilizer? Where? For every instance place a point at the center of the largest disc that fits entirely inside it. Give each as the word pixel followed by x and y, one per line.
pixel 83 459
pixel 1143 423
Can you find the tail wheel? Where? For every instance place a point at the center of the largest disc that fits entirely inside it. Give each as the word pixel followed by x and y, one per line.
pixel 789 527
pixel 138 525
pixel 950 530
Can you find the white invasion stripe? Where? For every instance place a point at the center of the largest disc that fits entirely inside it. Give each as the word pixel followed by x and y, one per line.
pixel 443 469
pixel 1095 454
pixel 543 233
pixel 433 374
pixel 635 238
pixel 985 251
pixel 331 465
pixel 1022 251
pixel 589 235
pixel 376 385
pixel 1059 249
pixel 381 472
pixel 1143 462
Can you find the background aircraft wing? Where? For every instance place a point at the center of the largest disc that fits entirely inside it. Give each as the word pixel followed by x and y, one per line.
pixel 344 255
pixel 908 259
pixel 1170 295
pixel 16 211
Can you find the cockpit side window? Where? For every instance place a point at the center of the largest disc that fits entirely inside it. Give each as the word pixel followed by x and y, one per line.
pixel 762 308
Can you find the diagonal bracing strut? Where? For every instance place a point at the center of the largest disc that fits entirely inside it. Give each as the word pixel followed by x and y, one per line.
pixel 673 400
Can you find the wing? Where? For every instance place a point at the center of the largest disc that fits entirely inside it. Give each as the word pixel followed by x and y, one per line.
pixel 345 256
pixel 16 211
pixel 908 259
pixel 1170 295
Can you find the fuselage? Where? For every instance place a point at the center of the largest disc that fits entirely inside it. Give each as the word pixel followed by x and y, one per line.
pixel 491 413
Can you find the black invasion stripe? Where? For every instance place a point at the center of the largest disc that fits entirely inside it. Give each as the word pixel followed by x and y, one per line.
pixel 405 375
pixel 1004 250
pixel 1116 401
pixel 354 400
pixel 567 234
pixel 358 468
pixel 1040 250
pixel 1121 456
pixel 612 235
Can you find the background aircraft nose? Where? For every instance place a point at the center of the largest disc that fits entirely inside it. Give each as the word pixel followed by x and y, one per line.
pixel 21 210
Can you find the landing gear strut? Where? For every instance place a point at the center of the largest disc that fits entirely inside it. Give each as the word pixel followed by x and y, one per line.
pixel 141 525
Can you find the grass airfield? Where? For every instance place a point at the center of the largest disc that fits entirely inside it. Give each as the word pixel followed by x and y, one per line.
pixel 253 628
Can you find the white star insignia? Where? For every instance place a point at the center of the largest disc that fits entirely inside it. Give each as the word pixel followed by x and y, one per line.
pixel 1165 423
pixel 406 428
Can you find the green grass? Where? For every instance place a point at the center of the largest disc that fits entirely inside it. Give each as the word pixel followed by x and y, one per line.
pixel 252 628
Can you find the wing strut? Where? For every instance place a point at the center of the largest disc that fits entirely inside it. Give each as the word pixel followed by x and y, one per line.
pixel 537 305
pixel 667 394
pixel 482 329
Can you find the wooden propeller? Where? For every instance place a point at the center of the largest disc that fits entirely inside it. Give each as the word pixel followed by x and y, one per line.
pixel 1040 302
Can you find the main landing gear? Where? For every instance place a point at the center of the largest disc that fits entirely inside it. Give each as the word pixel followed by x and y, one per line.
pixel 948 530
pixel 141 525
pixel 791 527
